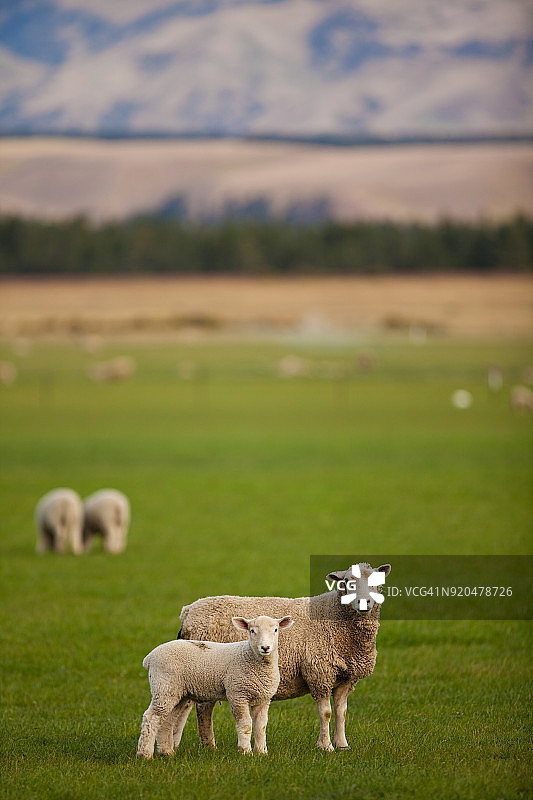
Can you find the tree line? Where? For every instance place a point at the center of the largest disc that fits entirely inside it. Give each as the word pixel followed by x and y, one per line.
pixel 257 247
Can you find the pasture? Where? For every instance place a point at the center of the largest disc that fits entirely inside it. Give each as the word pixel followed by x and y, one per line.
pixel 235 477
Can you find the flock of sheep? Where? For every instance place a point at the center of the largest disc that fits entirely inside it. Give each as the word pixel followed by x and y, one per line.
pixel 63 521
pixel 246 650
pixel 123 368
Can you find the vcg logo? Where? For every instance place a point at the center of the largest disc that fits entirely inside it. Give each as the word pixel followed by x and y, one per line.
pixel 357 585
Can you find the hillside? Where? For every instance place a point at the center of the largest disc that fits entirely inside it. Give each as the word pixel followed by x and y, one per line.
pixel 59 178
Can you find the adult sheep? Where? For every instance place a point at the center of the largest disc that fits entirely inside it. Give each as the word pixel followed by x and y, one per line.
pixel 332 647
pixel 244 673
pixel 106 512
pixel 59 522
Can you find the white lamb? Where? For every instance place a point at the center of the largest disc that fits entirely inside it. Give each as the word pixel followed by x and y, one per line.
pixel 59 522
pixel 183 672
pixel 332 648
pixel 107 512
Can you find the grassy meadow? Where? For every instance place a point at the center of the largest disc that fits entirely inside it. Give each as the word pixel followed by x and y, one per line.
pixel 235 477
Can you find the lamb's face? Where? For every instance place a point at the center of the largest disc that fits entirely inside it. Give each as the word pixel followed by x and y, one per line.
pixel 358 586
pixel 263 632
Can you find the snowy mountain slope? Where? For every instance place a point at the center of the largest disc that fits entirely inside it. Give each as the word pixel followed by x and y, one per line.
pixel 354 68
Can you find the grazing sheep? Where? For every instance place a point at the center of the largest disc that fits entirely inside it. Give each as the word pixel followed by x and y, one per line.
pixel 107 513
pixel 494 378
pixel 8 373
pixel 293 367
pixel 462 399
pixel 333 647
pixel 244 673
pixel 521 399
pixel 59 522
pixel 118 369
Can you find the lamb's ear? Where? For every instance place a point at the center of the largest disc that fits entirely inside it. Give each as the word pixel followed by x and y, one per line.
pixel 386 568
pixel 285 622
pixel 240 623
pixel 337 576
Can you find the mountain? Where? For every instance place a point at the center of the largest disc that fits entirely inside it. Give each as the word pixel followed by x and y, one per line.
pixel 57 178
pixel 352 69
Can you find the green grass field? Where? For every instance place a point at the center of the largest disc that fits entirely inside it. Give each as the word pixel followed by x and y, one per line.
pixel 235 478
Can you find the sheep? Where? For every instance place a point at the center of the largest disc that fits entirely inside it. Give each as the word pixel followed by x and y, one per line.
pixel 106 512
pixel 8 373
pixel 293 367
pixel 245 673
pixel 118 369
pixel 333 648
pixel 521 399
pixel 59 522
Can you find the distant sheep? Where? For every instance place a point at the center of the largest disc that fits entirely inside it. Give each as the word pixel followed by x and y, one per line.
pixel 333 647
pixel 59 522
pixel 521 399
pixel 293 367
pixel 183 672
pixel 8 373
pixel 106 512
pixel 118 369
pixel 494 378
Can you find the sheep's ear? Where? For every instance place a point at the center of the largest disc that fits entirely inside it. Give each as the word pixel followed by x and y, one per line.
pixel 240 623
pixel 337 576
pixel 285 622
pixel 386 568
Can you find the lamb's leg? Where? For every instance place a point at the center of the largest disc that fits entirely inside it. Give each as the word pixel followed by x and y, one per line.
pixel 182 711
pixel 149 731
pixel 324 710
pixel 340 703
pixel 165 741
pixel 243 723
pixel 204 715
pixel 259 721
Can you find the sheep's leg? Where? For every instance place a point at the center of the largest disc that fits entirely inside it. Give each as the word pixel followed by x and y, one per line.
pixel 113 540
pixel 149 731
pixel 259 721
pixel 76 541
pixel 324 710
pixel 87 538
pixel 46 541
pixel 340 703
pixel 61 541
pixel 182 710
pixel 204 715
pixel 243 723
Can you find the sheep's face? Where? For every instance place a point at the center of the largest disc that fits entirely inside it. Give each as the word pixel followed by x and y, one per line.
pixel 263 632
pixel 358 586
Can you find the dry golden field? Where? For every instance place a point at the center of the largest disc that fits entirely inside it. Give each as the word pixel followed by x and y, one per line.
pixel 459 306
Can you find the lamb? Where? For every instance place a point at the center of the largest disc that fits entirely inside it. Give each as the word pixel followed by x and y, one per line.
pixel 106 512
pixel 334 645
pixel 59 522
pixel 245 673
